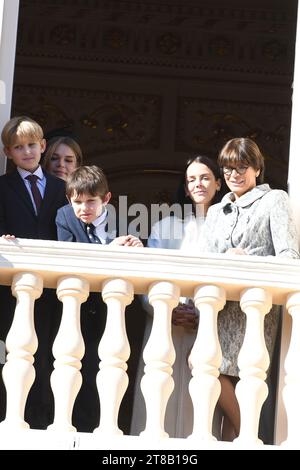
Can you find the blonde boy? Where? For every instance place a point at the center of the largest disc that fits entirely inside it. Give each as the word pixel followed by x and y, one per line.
pixel 28 208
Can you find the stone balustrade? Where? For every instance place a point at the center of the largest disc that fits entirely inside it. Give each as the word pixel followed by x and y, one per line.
pixel 74 270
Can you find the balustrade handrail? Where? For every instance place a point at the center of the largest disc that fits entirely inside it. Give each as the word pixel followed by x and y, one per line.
pixel 74 269
pixel 142 266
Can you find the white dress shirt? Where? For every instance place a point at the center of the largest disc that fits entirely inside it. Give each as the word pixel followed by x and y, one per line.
pixel 100 227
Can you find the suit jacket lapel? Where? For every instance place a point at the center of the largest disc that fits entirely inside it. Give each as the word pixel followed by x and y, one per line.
pixel 49 195
pixel 19 187
pixel 82 226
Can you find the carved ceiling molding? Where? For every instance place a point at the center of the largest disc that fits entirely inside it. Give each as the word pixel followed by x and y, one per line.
pixel 161 183
pixel 206 125
pixel 254 10
pixel 176 35
pixel 106 121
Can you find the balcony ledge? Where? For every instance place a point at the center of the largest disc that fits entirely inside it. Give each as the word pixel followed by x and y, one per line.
pixel 142 266
pixel 32 439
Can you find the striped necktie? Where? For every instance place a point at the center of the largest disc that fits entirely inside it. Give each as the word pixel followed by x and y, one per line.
pixel 90 230
pixel 37 197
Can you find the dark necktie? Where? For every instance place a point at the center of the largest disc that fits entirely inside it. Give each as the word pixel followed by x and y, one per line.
pixel 35 191
pixel 90 230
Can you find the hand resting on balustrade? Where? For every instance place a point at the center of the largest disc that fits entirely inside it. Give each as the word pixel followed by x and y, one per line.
pixel 8 237
pixel 185 315
pixel 127 240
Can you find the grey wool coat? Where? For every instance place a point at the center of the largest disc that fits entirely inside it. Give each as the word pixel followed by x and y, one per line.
pixel 259 222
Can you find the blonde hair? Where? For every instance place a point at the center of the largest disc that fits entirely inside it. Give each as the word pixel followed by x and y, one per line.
pixel 21 127
pixel 52 145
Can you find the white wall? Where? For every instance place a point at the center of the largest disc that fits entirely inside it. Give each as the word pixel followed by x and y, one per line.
pixel 294 192
pixel 9 10
pixel 294 159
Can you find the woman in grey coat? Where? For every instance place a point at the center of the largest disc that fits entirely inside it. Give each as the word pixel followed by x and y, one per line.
pixel 251 220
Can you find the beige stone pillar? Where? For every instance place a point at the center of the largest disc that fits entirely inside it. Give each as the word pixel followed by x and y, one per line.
pixel 9 10
pixel 206 358
pixel 291 391
pixel 253 362
pixel 21 344
pixel 68 350
pixel 114 351
pixel 159 355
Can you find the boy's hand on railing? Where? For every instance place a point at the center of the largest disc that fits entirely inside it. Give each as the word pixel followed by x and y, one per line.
pixel 133 241
pixel 127 240
pixel 8 237
pixel 185 315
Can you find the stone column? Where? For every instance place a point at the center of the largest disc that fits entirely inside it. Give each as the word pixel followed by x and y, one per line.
pixel 291 391
pixel 205 359
pixel 159 355
pixel 253 361
pixel 9 10
pixel 114 351
pixel 21 344
pixel 294 162
pixel 68 350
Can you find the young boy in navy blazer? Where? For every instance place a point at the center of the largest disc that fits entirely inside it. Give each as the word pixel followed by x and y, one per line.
pixel 29 200
pixel 85 220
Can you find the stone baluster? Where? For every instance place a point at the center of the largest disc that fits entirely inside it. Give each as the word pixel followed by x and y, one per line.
pixel 291 391
pixel 205 359
pixel 21 344
pixel 114 351
pixel 68 350
pixel 159 354
pixel 253 362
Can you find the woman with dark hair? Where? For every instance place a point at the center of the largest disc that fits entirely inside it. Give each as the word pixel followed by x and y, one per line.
pixel 183 195
pixel 252 219
pixel 198 190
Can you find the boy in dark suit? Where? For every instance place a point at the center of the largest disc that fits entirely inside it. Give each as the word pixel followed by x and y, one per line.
pixel 29 200
pixel 27 207
pixel 85 220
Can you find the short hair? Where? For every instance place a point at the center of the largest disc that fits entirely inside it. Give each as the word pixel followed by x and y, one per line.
pixel 242 151
pixel 21 127
pixel 52 145
pixel 87 180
